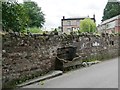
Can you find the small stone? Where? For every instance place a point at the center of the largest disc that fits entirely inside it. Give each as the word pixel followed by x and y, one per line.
pixel 3 51
pixel 41 82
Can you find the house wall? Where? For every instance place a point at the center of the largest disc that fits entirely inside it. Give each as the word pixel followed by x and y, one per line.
pixel 110 25
pixel 70 25
pixel 117 29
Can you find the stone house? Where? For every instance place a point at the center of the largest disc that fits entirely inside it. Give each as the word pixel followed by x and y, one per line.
pixel 72 24
pixel 111 25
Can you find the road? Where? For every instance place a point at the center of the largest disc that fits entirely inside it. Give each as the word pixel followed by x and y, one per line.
pixel 102 75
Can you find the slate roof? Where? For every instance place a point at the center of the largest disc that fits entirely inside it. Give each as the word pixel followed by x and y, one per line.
pixel 77 19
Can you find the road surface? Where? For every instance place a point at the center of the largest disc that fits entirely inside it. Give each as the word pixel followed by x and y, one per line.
pixel 102 75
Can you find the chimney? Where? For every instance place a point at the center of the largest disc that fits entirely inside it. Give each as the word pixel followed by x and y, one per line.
pixel 63 17
pixel 94 16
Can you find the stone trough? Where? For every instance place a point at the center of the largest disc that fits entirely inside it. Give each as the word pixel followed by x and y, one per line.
pixel 67 57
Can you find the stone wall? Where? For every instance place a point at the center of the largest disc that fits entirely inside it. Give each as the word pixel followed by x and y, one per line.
pixel 23 56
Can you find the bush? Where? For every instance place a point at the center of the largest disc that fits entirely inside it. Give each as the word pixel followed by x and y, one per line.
pixel 33 30
pixel 55 32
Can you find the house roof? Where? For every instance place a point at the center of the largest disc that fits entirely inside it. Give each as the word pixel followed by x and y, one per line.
pixel 77 18
pixel 111 19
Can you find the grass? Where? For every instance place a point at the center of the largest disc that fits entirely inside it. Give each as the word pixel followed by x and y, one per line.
pixel 12 84
pixel 34 30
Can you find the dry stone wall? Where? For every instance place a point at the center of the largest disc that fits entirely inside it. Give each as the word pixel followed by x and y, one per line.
pixel 27 55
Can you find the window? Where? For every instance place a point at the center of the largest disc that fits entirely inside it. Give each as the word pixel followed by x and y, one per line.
pixel 73 28
pixel 69 22
pixel 69 29
pixel 77 22
pixel 110 25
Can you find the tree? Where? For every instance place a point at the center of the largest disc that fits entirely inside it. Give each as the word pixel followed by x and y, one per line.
pixel 87 25
pixel 14 17
pixel 111 9
pixel 36 16
pixel 0 14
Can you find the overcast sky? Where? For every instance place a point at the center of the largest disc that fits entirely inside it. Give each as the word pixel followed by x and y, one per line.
pixel 54 10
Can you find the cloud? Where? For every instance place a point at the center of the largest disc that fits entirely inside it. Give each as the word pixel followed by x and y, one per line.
pixel 55 9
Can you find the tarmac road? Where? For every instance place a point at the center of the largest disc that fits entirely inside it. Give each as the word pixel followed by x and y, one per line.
pixel 101 75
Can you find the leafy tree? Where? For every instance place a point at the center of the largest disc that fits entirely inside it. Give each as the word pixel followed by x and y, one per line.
pixel 0 14
pixel 111 9
pixel 36 16
pixel 14 17
pixel 87 25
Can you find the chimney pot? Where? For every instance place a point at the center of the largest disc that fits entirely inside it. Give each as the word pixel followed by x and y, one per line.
pixel 63 17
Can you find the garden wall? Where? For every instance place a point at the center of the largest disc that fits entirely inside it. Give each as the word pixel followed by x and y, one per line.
pixel 30 56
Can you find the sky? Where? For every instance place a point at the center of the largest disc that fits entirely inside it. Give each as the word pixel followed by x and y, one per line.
pixel 54 10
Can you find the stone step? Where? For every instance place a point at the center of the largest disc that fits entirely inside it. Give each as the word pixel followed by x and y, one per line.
pixel 47 76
